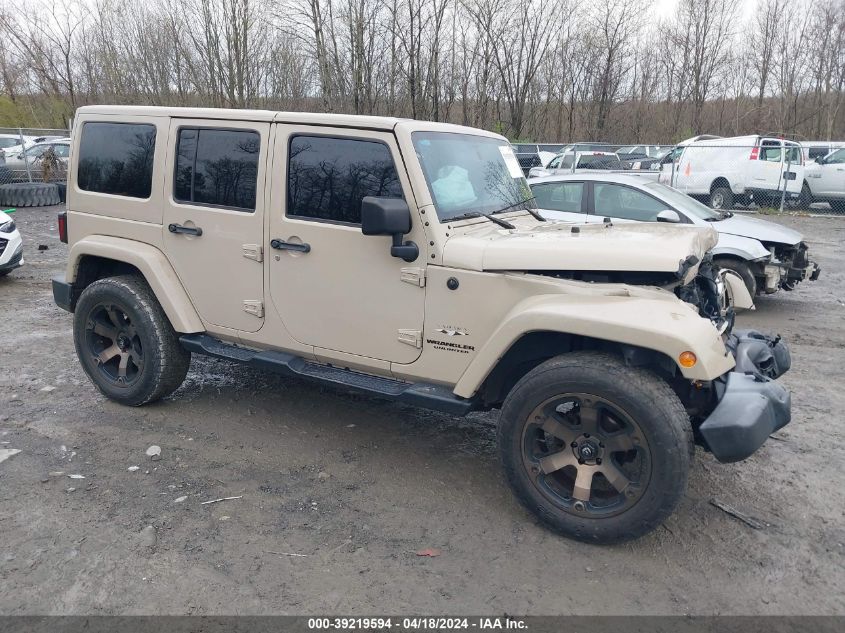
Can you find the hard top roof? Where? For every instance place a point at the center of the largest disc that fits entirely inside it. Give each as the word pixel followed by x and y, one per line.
pixel 272 116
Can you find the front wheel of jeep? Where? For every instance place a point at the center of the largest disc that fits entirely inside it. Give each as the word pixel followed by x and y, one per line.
pixel 599 451
pixel 125 342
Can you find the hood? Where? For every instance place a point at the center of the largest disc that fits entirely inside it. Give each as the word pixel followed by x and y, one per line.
pixel 757 229
pixel 4 217
pixel 552 246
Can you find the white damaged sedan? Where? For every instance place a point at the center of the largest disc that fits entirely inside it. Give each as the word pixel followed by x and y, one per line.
pixel 766 255
pixel 11 245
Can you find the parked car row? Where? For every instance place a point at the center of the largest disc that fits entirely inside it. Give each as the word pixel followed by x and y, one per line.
pixel 18 165
pixel 720 172
pixel 11 145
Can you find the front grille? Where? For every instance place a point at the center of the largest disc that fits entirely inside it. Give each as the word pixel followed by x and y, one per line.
pixel 3 244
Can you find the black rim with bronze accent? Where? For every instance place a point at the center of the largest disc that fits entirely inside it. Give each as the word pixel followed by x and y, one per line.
pixel 114 345
pixel 585 455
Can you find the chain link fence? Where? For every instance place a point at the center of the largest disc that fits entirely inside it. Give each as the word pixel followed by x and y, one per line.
pixel 753 173
pixel 33 155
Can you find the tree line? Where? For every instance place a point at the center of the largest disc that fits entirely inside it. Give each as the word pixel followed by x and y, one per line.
pixel 544 70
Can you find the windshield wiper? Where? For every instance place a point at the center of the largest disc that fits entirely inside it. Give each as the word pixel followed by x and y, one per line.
pixel 533 212
pixel 478 214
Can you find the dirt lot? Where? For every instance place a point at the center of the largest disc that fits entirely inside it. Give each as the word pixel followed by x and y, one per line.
pixel 356 486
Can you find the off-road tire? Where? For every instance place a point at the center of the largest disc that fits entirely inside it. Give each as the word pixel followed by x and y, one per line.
pixel 165 361
pixel 645 397
pixel 6 175
pixel 741 269
pixel 837 206
pixel 29 194
pixel 721 198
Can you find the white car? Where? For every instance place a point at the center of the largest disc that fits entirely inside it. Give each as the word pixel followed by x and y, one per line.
pixel 11 245
pixel 824 181
pixel 12 142
pixel 743 169
pixel 18 164
pixel 767 256
pixel 568 162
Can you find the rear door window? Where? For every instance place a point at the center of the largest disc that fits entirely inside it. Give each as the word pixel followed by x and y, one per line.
pixel 217 168
pixel 328 177
pixel 116 158
pixel 793 155
pixel 770 151
pixel 599 161
pixel 619 201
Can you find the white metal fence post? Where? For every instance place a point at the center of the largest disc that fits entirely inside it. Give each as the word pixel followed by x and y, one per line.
pixel 25 158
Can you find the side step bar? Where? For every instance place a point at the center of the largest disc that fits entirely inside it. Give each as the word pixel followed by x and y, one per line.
pixel 423 395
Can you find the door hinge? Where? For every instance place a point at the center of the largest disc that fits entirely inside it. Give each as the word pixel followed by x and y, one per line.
pixel 253 251
pixel 413 276
pixel 411 337
pixel 254 307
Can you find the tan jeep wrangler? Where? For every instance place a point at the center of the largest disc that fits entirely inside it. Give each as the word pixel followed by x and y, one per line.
pixel 406 260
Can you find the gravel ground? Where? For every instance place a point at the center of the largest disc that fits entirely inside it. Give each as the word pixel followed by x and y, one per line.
pixel 337 492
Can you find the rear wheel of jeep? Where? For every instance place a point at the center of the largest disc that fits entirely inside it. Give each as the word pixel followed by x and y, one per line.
pixel 125 342
pixel 597 450
pixel 741 269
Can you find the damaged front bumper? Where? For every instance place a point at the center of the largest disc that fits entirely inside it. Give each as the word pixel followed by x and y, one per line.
pixel 750 404
pixel 789 266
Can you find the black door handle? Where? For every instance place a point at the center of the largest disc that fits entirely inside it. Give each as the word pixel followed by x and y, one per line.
pixel 281 245
pixel 187 230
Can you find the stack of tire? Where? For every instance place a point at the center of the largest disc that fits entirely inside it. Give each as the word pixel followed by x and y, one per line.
pixel 29 194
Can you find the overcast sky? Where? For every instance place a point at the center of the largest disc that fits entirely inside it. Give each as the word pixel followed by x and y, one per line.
pixel 666 7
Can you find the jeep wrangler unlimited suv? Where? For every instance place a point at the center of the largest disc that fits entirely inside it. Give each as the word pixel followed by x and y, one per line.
pixel 406 260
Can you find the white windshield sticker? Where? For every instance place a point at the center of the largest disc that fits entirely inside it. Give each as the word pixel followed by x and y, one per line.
pixel 511 161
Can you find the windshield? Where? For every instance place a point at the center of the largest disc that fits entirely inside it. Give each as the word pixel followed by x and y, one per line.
pixel 683 202
pixel 837 157
pixel 471 174
pixel 36 150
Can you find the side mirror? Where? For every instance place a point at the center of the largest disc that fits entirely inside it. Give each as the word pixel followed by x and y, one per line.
pixel 668 215
pixel 389 216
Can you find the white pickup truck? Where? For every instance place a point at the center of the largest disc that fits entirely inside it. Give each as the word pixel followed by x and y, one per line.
pixel 743 169
pixel 824 181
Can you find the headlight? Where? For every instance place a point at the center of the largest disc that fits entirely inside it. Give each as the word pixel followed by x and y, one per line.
pixel 8 227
